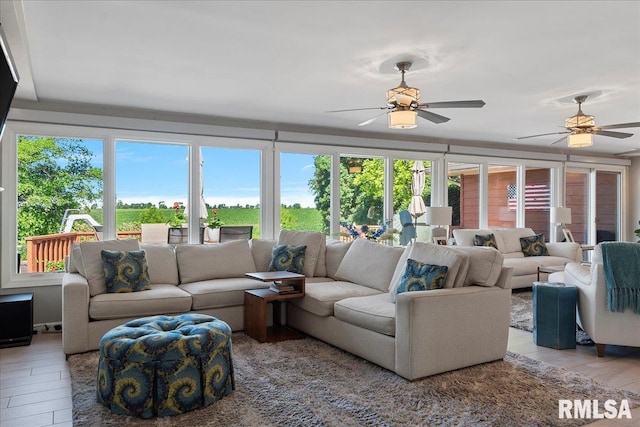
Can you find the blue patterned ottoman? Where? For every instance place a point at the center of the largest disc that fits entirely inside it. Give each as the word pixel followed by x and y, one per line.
pixel 165 365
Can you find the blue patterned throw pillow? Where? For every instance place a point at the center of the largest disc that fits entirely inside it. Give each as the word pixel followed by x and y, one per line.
pixel 485 240
pixel 534 246
pixel 288 258
pixel 125 271
pixel 421 277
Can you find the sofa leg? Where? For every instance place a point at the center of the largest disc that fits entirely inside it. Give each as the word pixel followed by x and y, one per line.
pixel 600 349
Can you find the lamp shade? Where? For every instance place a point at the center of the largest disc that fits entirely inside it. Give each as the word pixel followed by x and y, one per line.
pixel 440 215
pixel 580 140
pixel 560 215
pixel 402 119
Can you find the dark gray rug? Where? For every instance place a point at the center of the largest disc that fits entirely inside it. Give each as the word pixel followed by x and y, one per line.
pixel 308 383
pixel 522 315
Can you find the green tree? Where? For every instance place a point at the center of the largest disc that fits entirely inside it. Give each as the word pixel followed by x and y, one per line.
pixel 54 174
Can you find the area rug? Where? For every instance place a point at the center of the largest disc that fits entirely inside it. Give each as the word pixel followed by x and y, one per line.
pixel 309 383
pixel 522 315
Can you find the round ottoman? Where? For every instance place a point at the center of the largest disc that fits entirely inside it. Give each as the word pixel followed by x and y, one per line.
pixel 165 365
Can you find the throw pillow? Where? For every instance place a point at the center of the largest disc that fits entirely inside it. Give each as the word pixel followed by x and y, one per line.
pixel 534 245
pixel 419 276
pixel 485 240
pixel 288 258
pixel 125 271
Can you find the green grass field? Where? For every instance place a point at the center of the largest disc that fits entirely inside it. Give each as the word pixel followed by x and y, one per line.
pixel 307 219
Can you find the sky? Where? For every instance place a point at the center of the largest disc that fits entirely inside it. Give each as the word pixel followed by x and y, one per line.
pixel 147 172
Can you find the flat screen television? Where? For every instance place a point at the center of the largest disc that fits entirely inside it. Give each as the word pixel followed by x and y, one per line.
pixel 8 80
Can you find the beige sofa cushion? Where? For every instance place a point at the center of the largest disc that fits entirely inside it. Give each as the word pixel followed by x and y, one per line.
pixel 464 236
pixel 163 267
pixel 261 252
pixel 75 260
pixel 376 313
pixel 220 292
pixel 315 243
pixel 92 261
pixel 321 265
pixel 369 264
pixel 400 267
pixel 457 263
pixel 336 251
pixel 160 299
pixel 205 262
pixel 485 265
pixel 320 297
pixel 511 238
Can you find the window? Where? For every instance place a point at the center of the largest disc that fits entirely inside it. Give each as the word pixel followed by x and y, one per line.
pixel 463 190
pixel 502 201
pixel 409 226
pixel 231 187
pixel 607 206
pixel 151 186
pixel 538 200
pixel 361 196
pixel 577 198
pixel 59 194
pixel 305 192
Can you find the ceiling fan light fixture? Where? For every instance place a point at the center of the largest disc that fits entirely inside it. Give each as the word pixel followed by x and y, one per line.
pixel 580 140
pixel 403 95
pixel 402 119
pixel 580 121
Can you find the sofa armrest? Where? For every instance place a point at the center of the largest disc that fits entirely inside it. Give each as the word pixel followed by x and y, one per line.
pixel 445 329
pixel 577 274
pixel 570 250
pixel 75 313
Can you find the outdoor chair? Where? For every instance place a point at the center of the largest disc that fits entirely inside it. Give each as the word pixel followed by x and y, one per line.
pixel 235 232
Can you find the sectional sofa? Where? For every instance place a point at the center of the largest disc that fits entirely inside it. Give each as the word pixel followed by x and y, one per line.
pixel 350 299
pixel 525 268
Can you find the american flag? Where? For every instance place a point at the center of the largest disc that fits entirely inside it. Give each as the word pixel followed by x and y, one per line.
pixel 537 197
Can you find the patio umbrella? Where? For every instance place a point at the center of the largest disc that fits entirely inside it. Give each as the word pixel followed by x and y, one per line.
pixel 416 206
pixel 203 205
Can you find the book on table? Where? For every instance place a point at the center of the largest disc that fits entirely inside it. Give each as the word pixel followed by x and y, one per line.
pixel 282 288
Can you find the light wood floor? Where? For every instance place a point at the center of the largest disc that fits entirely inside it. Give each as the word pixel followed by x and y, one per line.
pixel 35 389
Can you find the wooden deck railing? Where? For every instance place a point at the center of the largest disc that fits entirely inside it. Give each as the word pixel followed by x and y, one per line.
pixel 42 250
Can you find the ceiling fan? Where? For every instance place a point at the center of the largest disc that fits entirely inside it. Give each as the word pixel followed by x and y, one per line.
pixel 581 128
pixel 403 105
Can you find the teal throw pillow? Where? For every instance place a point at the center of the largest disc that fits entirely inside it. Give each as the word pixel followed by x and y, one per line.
pixel 288 258
pixel 485 240
pixel 418 276
pixel 125 271
pixel 534 245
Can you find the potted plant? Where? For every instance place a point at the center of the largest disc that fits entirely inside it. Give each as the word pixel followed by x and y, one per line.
pixel 213 226
pixel 176 233
pixel 637 231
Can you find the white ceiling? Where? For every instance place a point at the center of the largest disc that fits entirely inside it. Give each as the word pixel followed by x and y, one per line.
pixel 288 62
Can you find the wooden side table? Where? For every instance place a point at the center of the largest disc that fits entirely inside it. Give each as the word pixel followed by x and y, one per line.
pixel 256 306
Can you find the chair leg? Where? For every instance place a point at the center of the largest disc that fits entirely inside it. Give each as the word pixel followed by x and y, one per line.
pixel 600 349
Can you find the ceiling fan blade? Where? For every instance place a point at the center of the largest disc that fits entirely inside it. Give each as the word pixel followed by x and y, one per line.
pixel 559 140
pixel 624 153
pixel 432 117
pixel 542 134
pixel 477 103
pixel 357 109
pixel 372 119
pixel 621 125
pixel 613 134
